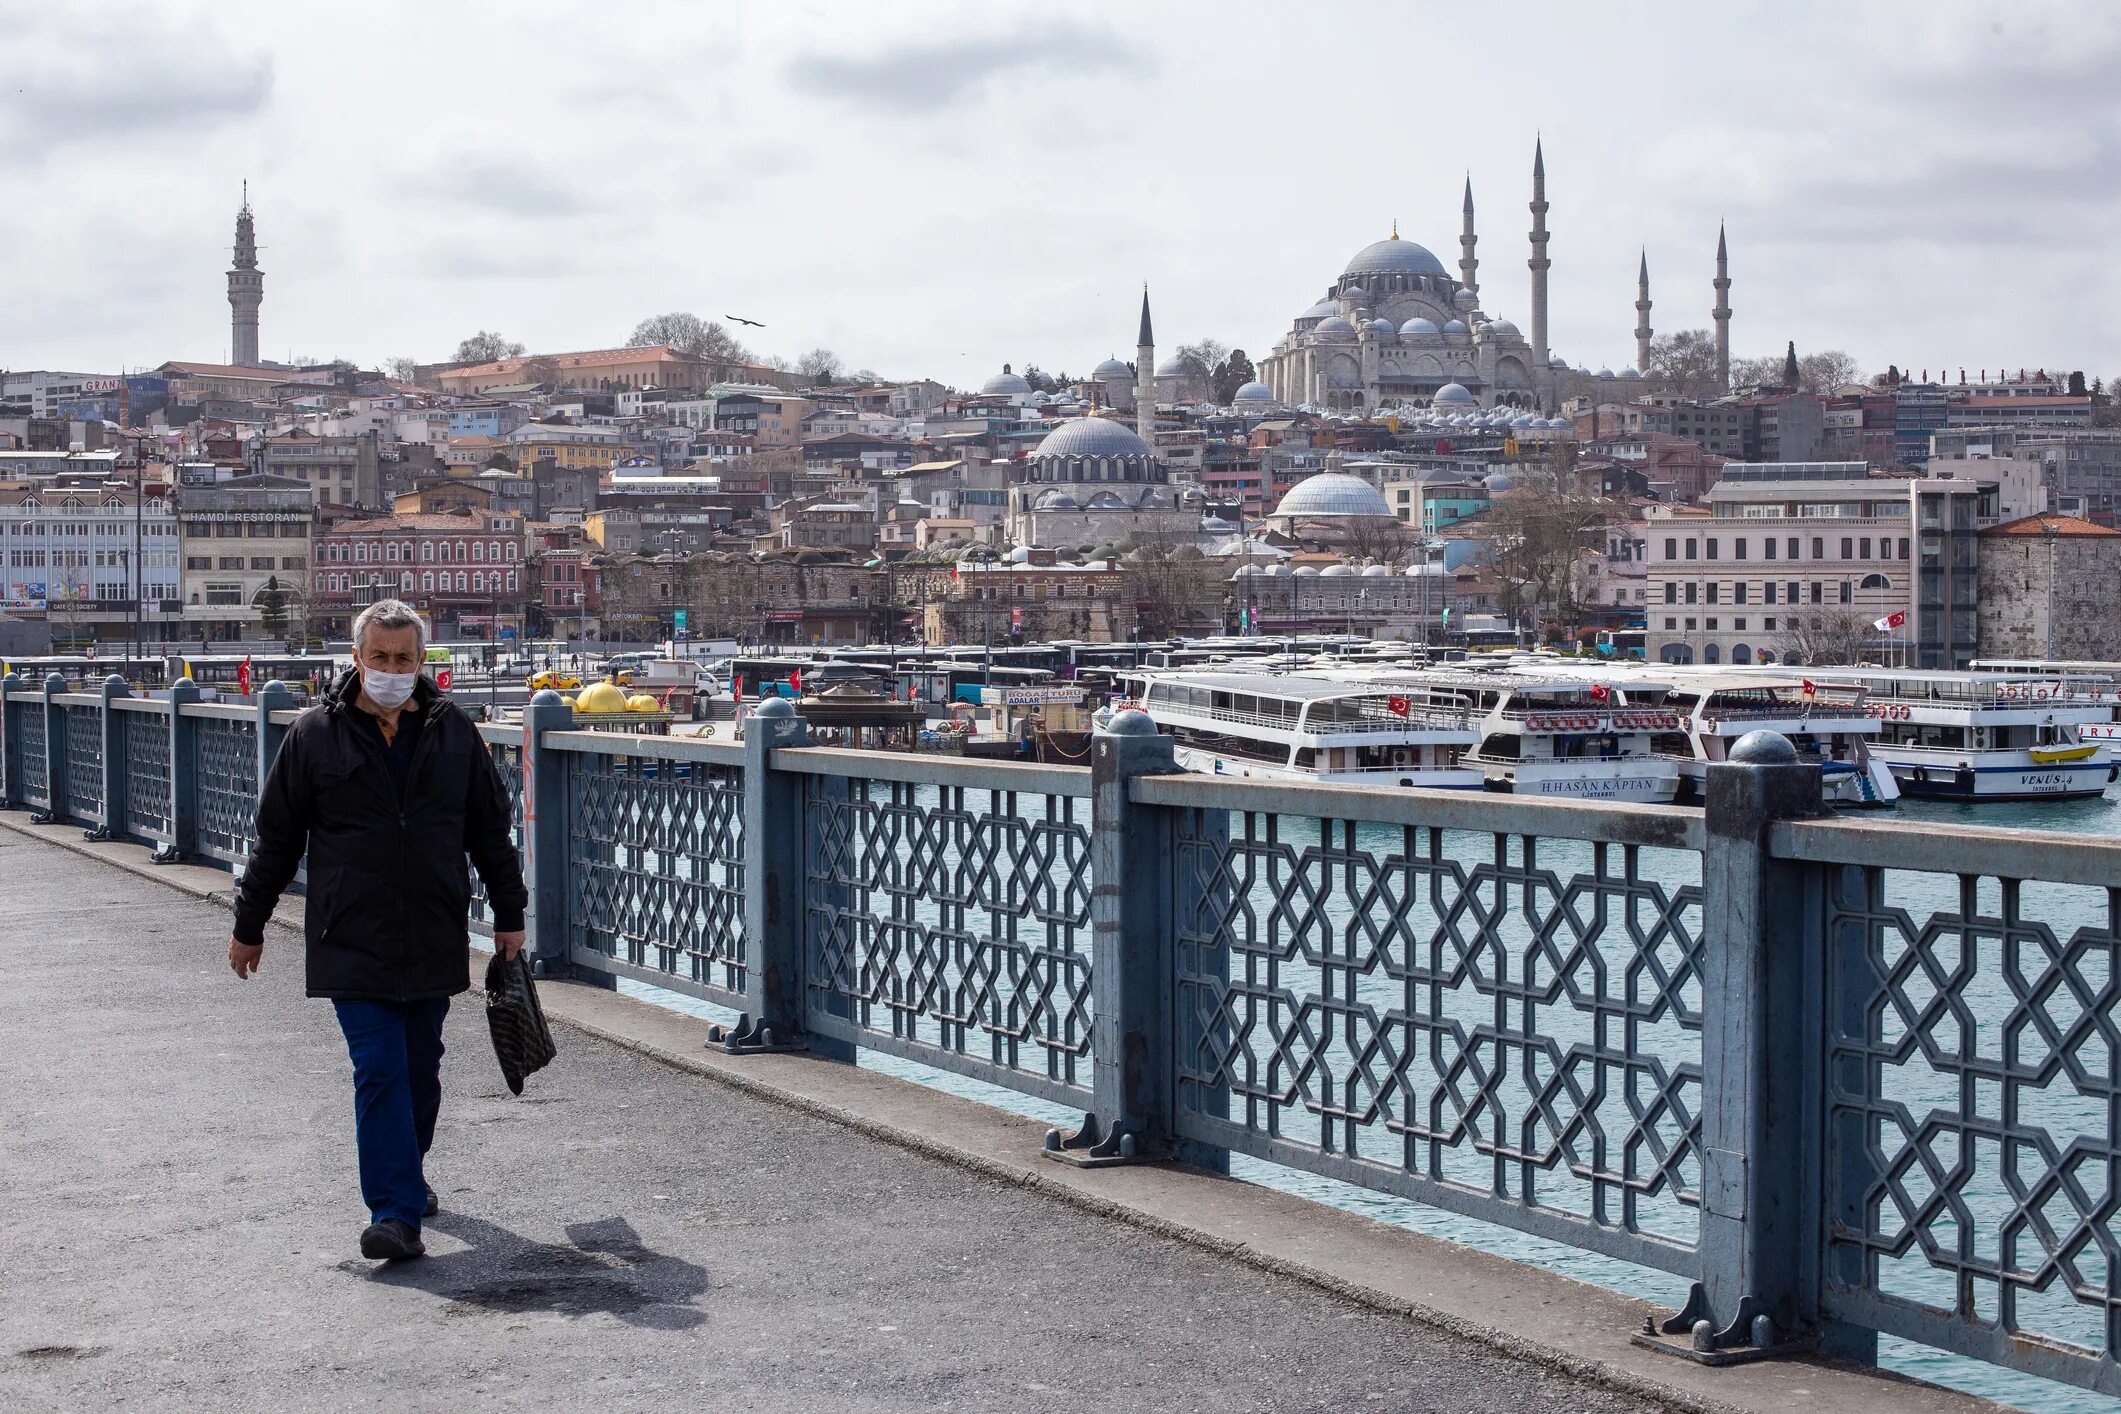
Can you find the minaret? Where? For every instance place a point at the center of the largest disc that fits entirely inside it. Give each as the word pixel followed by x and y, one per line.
pixel 1539 262
pixel 1468 264
pixel 1723 311
pixel 246 290
pixel 1145 377
pixel 1642 315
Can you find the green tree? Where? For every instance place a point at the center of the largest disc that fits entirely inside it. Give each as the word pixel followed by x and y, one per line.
pixel 2076 385
pixel 1231 374
pixel 1791 378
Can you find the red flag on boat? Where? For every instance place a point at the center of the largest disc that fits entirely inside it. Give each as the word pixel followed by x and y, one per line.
pixel 243 676
pixel 795 681
pixel 1811 689
pixel 1398 705
pixel 1600 692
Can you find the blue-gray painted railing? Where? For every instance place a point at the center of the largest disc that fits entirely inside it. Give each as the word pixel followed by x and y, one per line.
pixel 1851 1078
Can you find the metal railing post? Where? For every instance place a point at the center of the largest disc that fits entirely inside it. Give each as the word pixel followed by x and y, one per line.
pixel 1133 963
pixel 183 843
pixel 54 753
pixel 545 830
pixel 273 697
pixel 1761 1078
pixel 112 825
pixel 11 741
pixel 776 840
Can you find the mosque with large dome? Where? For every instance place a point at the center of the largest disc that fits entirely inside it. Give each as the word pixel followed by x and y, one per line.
pixel 1395 328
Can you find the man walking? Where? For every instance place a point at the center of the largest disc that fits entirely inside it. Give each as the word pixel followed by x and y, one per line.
pixel 387 786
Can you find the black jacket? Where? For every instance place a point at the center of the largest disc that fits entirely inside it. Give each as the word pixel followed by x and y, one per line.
pixel 388 893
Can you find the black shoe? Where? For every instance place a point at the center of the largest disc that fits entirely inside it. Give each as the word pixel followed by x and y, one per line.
pixel 391 1241
pixel 434 1204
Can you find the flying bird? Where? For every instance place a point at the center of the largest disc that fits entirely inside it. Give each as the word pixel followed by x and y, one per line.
pixel 740 319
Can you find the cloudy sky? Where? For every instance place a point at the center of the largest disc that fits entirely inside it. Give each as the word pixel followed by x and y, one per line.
pixel 936 188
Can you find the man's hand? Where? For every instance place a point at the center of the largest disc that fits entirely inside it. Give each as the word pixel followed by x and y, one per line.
pixel 243 957
pixel 507 944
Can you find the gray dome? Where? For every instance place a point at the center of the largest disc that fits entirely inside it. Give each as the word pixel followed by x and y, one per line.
pixel 1453 395
pixel 1108 501
pixel 1091 437
pixel 1334 325
pixel 1056 501
pixel 1376 572
pixel 1333 493
pixel 1503 327
pixel 1307 572
pixel 1605 373
pixel 1255 393
pixel 1419 328
pixel 1337 572
pixel 1394 257
pixel 1557 361
pixel 1111 368
pixel 1181 366
pixel 1454 326
pixel 1006 385
pixel 1324 309
pixel 1383 328
pixel 1466 299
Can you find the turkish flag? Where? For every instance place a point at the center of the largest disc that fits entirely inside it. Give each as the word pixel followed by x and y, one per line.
pixel 795 680
pixel 1890 621
pixel 736 687
pixel 1600 692
pixel 243 676
pixel 1398 705
pixel 442 677
pixel 1811 689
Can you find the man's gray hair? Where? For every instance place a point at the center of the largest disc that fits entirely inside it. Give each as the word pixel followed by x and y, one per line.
pixel 388 613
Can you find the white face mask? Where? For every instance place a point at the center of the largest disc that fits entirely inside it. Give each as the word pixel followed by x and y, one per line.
pixel 387 690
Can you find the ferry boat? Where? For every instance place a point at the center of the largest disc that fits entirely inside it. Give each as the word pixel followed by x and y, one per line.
pixel 1987 736
pixel 1288 727
pixel 1825 721
pixel 2094 680
pixel 1566 738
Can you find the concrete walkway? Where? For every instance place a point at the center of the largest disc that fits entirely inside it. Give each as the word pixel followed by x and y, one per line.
pixel 181 1208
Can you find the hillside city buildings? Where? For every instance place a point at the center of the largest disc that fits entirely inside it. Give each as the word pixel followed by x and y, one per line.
pixel 1399 461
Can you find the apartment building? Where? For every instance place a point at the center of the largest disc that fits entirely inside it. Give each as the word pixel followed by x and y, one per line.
pixel 246 544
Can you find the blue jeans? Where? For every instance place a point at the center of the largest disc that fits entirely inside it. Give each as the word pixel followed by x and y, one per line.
pixel 397 1060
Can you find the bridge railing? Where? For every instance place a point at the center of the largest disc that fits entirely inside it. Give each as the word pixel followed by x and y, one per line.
pixel 1849 1078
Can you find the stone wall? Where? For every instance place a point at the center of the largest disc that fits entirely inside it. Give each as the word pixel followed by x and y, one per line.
pixel 2045 597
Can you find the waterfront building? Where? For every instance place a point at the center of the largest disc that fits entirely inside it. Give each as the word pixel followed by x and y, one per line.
pixel 246 548
pixel 2047 590
pixel 461 569
pixel 82 555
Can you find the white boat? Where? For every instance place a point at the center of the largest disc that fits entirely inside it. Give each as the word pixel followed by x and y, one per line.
pixel 1565 739
pixel 1827 724
pixel 1987 736
pixel 1288 727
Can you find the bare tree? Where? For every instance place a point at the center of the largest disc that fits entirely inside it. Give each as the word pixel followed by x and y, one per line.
pixel 544 370
pixel 487 347
pixel 705 339
pixel 1542 527
pixel 1822 637
pixel 1826 371
pixel 820 367
pixel 401 369
pixel 1210 353
pixel 1685 363
pixel 1762 372
pixel 1375 538
pixel 1176 589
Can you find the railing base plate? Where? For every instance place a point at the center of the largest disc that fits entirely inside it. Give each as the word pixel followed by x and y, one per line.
pixel 1087 1148
pixel 1682 1347
pixel 749 1038
pixel 1691 1335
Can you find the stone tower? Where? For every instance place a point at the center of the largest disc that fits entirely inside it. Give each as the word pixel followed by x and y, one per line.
pixel 1723 311
pixel 1642 315
pixel 1145 376
pixel 1468 263
pixel 246 290
pixel 1539 262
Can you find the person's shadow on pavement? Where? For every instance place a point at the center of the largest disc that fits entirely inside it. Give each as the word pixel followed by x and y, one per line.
pixel 602 1267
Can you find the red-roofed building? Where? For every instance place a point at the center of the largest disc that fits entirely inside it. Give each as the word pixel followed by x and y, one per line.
pixel 461 568
pixel 2047 589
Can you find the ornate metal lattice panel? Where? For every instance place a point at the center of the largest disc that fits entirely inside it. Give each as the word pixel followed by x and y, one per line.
pixel 146 738
pixel 952 925
pixel 1974 1116
pixel 508 758
pixel 228 789
pixel 29 718
pixel 656 868
pixel 1504 1026
pixel 84 762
